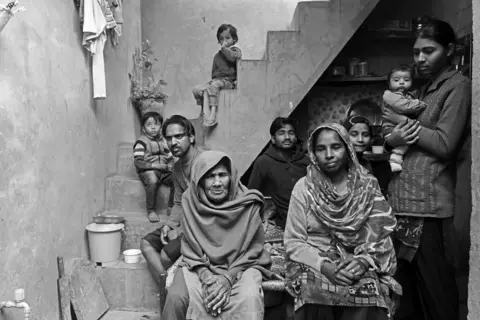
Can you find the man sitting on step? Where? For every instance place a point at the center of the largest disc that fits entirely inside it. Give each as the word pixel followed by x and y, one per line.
pixel 161 248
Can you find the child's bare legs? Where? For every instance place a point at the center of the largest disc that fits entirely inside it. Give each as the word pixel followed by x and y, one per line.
pixel 151 183
pixel 200 96
pixel 207 96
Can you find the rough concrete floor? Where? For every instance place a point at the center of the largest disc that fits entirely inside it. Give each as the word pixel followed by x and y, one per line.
pixel 130 315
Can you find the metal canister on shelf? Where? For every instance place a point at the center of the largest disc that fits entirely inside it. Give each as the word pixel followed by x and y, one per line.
pixel 352 67
pixel 362 69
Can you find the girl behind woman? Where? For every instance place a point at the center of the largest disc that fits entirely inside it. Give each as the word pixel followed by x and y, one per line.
pixel 361 135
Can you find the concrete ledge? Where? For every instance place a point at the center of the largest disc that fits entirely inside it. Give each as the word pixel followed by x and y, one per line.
pixel 129 287
pixel 126 194
pixel 136 229
pixel 129 315
pixel 125 166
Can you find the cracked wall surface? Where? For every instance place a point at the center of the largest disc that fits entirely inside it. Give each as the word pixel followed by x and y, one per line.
pixel 56 144
pixel 474 279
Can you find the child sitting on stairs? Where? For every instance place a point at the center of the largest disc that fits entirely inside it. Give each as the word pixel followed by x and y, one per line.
pixel 224 73
pixel 153 161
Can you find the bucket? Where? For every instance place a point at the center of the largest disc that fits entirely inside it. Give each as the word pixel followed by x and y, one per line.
pixel 104 241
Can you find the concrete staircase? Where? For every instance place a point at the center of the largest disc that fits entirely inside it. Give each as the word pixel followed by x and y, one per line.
pixel 130 290
pixel 125 196
pixel 294 60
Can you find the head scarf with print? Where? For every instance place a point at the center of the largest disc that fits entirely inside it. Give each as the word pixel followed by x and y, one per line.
pixel 340 212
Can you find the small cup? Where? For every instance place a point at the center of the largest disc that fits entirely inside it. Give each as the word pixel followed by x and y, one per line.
pixel 132 256
pixel 377 149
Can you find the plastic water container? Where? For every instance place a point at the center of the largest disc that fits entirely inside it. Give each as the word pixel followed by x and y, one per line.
pixel 104 241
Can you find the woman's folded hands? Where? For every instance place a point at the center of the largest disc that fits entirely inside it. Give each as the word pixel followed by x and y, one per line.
pixel 346 272
pixel 217 290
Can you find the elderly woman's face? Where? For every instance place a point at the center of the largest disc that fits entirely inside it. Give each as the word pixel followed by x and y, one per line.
pixel 216 184
pixel 360 136
pixel 330 151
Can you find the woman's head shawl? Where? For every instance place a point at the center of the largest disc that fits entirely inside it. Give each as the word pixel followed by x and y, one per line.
pixel 226 237
pixel 347 212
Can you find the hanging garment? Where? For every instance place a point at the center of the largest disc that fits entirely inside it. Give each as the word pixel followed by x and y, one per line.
pixel 94 37
pixel 117 10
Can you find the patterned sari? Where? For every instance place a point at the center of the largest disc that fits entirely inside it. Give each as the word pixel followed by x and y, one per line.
pixel 333 227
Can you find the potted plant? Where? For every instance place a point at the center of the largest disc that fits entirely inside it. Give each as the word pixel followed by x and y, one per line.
pixel 146 93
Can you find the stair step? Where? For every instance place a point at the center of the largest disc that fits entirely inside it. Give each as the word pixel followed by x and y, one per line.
pixel 130 315
pixel 129 287
pixel 295 60
pixel 136 228
pixel 280 43
pixel 306 10
pixel 125 166
pixel 251 77
pixel 126 194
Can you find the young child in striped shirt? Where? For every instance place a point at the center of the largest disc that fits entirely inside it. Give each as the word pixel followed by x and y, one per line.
pixel 153 161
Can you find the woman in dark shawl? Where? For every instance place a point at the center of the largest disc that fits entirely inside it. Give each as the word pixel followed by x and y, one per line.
pixel 337 238
pixel 222 247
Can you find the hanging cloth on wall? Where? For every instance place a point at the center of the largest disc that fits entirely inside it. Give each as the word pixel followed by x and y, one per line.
pixel 94 38
pixel 117 10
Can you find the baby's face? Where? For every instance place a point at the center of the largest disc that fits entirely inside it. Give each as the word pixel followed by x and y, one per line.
pixel 400 81
pixel 226 37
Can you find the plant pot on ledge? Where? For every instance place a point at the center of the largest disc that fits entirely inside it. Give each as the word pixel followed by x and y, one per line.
pixel 150 105
pixel 146 94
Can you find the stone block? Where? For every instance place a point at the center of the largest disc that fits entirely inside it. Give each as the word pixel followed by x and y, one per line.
pixel 127 195
pixel 125 166
pixel 130 315
pixel 251 74
pixel 129 287
pixel 136 228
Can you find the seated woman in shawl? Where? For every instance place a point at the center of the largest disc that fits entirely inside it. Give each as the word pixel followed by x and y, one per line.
pixel 222 247
pixel 337 237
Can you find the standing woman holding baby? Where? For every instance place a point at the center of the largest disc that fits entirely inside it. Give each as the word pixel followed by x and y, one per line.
pixel 423 193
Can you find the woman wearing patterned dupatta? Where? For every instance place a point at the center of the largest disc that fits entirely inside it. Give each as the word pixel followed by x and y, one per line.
pixel 337 238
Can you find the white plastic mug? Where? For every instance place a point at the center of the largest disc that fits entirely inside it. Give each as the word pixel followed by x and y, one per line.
pixel 132 255
pixel 377 149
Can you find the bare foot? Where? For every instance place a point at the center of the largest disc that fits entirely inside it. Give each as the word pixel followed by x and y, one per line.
pixel 152 216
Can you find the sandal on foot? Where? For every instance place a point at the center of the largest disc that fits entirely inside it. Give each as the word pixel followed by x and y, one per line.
pixel 210 123
pixel 152 216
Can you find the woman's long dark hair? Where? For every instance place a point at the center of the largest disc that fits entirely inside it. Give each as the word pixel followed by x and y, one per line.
pixel 438 31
